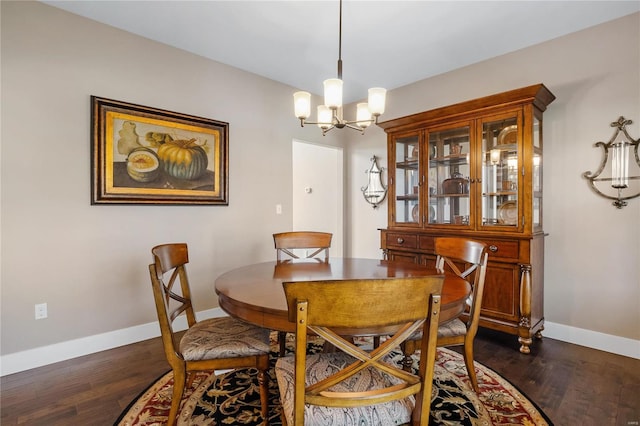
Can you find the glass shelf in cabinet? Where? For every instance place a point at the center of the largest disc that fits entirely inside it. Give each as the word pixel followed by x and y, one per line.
pixel 407 197
pixel 409 164
pixel 449 159
pixel 499 193
pixel 451 195
pixel 506 147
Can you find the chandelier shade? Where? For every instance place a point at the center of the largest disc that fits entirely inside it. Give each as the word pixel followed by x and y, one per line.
pixel 333 93
pixel 377 99
pixel 302 104
pixel 363 115
pixel 324 117
pixel 330 114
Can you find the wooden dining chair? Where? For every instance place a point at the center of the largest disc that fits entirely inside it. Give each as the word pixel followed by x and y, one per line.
pixel 212 344
pixel 468 260
pixel 290 244
pixel 350 382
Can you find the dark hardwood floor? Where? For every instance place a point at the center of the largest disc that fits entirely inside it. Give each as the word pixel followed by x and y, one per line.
pixel 572 384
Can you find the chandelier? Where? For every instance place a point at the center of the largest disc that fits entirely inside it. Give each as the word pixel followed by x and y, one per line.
pixel 330 114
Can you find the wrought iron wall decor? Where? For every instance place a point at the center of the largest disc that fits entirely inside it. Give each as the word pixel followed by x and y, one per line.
pixel 375 191
pixel 618 177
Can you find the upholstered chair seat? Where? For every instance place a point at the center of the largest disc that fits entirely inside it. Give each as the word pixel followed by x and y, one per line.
pixel 452 328
pixel 321 366
pixel 224 337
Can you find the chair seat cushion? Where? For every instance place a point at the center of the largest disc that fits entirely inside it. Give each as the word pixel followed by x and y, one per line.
pixel 319 366
pixel 224 337
pixel 452 328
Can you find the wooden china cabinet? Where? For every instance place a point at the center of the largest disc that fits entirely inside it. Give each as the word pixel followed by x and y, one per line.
pixel 474 169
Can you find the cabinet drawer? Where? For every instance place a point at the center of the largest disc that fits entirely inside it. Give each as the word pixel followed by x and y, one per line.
pixel 397 240
pixel 504 249
pixel 403 256
pixel 427 243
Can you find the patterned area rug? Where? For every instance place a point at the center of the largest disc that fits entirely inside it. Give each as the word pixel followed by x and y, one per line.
pixel 233 398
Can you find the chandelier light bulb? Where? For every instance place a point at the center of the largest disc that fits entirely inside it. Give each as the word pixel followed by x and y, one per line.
pixel 302 104
pixel 325 117
pixel 377 98
pixel 333 93
pixel 363 115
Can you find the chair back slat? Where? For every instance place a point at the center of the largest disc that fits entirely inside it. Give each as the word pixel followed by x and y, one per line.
pixel 336 305
pixel 290 243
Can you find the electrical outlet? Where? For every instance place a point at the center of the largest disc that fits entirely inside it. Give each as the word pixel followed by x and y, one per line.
pixel 41 311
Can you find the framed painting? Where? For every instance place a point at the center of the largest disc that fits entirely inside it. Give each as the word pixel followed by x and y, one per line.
pixel 144 155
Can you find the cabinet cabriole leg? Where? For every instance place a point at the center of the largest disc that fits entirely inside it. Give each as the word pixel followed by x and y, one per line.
pixel 524 326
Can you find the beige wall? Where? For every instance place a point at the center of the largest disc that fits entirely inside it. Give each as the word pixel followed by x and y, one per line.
pixel 89 262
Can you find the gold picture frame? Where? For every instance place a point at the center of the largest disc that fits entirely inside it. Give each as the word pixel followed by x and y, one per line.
pixel 145 155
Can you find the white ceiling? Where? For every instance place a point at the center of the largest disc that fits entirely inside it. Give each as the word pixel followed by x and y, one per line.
pixel 384 43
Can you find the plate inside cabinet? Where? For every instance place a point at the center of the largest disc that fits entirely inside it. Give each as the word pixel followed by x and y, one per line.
pixel 415 213
pixel 432 214
pixel 508 135
pixel 508 213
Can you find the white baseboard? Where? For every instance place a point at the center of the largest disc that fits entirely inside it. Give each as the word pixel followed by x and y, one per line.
pixel 593 339
pixel 44 355
pixel 37 357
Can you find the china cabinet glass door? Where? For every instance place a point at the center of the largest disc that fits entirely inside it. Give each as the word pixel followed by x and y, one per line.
pixel 500 172
pixel 407 179
pixel 536 210
pixel 448 176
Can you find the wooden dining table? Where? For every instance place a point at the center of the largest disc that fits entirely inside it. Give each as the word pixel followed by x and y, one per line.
pixel 254 293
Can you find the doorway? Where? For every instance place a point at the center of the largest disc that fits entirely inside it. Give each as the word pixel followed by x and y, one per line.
pixel 318 196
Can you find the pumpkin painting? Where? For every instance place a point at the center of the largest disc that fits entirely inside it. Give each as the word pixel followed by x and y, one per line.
pixel 183 159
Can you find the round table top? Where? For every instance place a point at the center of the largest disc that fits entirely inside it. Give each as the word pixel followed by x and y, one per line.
pixel 254 293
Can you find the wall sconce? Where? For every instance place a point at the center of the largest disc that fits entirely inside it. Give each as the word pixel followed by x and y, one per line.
pixel 624 181
pixel 375 191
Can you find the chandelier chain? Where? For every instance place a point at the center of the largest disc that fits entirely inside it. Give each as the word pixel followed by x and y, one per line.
pixel 340 44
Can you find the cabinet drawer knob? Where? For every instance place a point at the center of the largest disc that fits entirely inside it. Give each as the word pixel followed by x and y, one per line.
pixel 400 240
pixel 493 248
